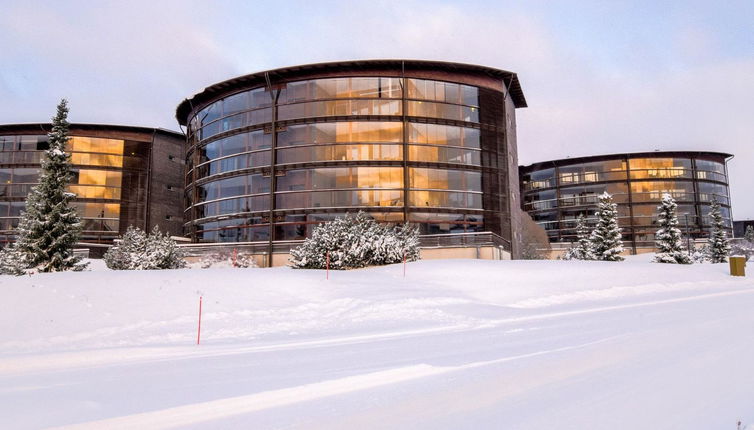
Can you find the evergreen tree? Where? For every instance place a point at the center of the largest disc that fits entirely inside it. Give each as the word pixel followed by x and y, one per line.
pixel 356 241
pixel 718 240
pixel 668 237
pixel 50 226
pixel 137 250
pixel 583 248
pixel 749 235
pixel 13 261
pixel 606 236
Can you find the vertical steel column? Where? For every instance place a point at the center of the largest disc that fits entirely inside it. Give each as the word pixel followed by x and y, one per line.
pixel 697 202
pixel 404 116
pixel 273 162
pixel 630 205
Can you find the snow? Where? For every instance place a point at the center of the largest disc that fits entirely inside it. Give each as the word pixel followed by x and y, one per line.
pixel 455 344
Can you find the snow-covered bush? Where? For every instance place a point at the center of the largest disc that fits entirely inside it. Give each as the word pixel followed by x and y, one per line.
pixel 225 260
pixel 582 250
pixel 137 250
pixel 356 241
pixel 13 261
pixel 718 240
pixel 606 236
pixel 745 245
pixel 699 255
pixel 743 248
pixel 668 236
pixel 749 234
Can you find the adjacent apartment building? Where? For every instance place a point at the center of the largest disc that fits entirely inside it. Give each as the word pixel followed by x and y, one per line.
pixel 122 176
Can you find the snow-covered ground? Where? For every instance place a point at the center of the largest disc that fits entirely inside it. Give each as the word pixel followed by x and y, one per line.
pixel 456 344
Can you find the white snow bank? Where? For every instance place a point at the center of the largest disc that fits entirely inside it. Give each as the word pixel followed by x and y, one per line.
pixel 454 344
pixel 156 308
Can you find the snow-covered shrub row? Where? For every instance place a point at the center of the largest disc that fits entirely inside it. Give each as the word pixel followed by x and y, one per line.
pixel 223 260
pixel 137 250
pixel 356 241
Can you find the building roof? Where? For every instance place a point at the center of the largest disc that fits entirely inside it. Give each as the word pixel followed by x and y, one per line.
pixel 510 79
pixel 649 154
pixel 45 128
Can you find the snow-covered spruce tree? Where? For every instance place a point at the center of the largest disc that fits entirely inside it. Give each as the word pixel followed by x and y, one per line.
pixel 50 226
pixel 13 261
pixel 749 234
pixel 356 241
pixel 718 239
pixel 137 250
pixel 668 237
pixel 606 236
pixel 582 250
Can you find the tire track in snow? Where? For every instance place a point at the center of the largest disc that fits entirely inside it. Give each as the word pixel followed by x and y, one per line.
pixel 197 413
pixel 102 358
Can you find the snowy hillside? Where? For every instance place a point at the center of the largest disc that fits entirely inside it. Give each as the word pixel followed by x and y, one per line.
pixel 455 344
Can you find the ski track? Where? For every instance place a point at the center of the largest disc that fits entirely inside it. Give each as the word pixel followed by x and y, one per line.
pixel 218 409
pixel 105 357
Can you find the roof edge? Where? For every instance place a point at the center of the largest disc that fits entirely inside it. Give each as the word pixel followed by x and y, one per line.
pixel 185 107
pixel 45 126
pixel 587 158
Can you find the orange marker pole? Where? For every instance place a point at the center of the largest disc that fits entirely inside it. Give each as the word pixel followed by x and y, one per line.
pixel 199 330
pixel 327 265
pixel 404 264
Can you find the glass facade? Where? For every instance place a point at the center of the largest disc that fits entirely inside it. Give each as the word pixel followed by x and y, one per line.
pixel 271 162
pixel 557 194
pixel 108 180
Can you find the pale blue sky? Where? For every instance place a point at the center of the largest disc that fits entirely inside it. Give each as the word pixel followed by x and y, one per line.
pixel 599 76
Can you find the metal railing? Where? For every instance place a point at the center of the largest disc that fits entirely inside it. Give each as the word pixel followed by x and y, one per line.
pixel 473 239
pixel 453 240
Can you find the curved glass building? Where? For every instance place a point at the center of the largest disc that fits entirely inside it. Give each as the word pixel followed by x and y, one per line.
pixel 556 192
pixel 122 176
pixel 274 153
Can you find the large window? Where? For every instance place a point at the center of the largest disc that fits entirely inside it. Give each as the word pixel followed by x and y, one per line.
pixel 340 152
pixel 234 187
pixel 341 132
pixel 341 178
pixel 653 190
pixel 341 88
pixel 609 170
pixel 544 178
pixel 446 92
pixel 334 199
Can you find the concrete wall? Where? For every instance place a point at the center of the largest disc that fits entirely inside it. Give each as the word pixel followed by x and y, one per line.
pixel 165 206
pixel 475 253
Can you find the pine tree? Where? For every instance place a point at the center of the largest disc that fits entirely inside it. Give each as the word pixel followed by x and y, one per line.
pixel 356 241
pixel 50 227
pixel 606 236
pixel 749 235
pixel 718 240
pixel 13 261
pixel 583 248
pixel 668 237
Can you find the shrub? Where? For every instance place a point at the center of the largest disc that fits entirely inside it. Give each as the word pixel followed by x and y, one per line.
pixel 138 250
pixel 356 241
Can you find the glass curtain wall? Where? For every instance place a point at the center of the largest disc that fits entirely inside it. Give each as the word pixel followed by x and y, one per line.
pixel 556 196
pixel 309 150
pixel 101 167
